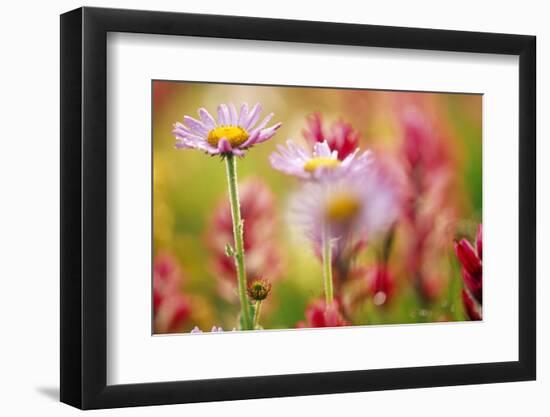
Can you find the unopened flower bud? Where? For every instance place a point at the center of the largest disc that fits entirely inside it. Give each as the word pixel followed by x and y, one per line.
pixel 258 289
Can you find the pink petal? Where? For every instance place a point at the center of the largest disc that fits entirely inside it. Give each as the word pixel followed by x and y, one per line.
pixel 243 116
pixel 268 133
pixel 195 125
pixel 253 116
pixel 207 118
pixel 224 146
pixel 468 257
pixel 251 140
pixel 221 115
pixel 264 122
pixel 233 114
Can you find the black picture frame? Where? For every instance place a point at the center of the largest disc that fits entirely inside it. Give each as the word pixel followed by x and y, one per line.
pixel 84 207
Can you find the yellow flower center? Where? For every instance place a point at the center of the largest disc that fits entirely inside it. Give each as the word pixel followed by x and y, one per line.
pixel 321 162
pixel 235 135
pixel 342 207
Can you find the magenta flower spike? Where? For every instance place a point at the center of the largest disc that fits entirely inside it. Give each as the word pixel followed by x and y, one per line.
pixel 341 136
pixel 470 259
pixel 320 314
pixel 170 306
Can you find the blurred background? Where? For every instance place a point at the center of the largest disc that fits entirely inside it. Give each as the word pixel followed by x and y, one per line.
pixel 435 156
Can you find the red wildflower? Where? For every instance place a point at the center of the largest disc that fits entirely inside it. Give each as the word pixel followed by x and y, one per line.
pixel 341 136
pixel 318 314
pixel 167 277
pixel 171 313
pixel 170 306
pixel 380 283
pixel 472 310
pixel 470 259
pixel 426 206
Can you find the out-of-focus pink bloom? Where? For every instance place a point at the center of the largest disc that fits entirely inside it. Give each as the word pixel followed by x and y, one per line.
pixel 341 136
pixel 161 92
pixel 470 259
pixel 263 257
pixel 427 168
pixel 167 277
pixel 426 201
pixel 381 283
pixel 422 145
pixel 345 268
pixel 321 164
pixel 170 306
pixel 351 208
pixel 171 313
pixel 432 284
pixel 318 314
pixel 232 133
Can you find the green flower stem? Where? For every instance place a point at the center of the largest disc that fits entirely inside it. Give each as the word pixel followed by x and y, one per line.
pixel 231 165
pixel 257 313
pixel 327 266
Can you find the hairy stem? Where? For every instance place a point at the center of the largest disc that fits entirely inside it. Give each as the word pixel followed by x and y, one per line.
pixel 231 165
pixel 257 313
pixel 327 266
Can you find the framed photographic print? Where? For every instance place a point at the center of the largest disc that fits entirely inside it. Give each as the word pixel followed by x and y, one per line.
pixel 256 208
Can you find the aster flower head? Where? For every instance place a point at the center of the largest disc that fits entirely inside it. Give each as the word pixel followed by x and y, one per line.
pixel 320 164
pixel 363 205
pixel 232 133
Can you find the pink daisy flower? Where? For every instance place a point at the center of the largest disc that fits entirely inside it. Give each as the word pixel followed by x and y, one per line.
pixel 232 133
pixel 321 163
pixel 363 205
